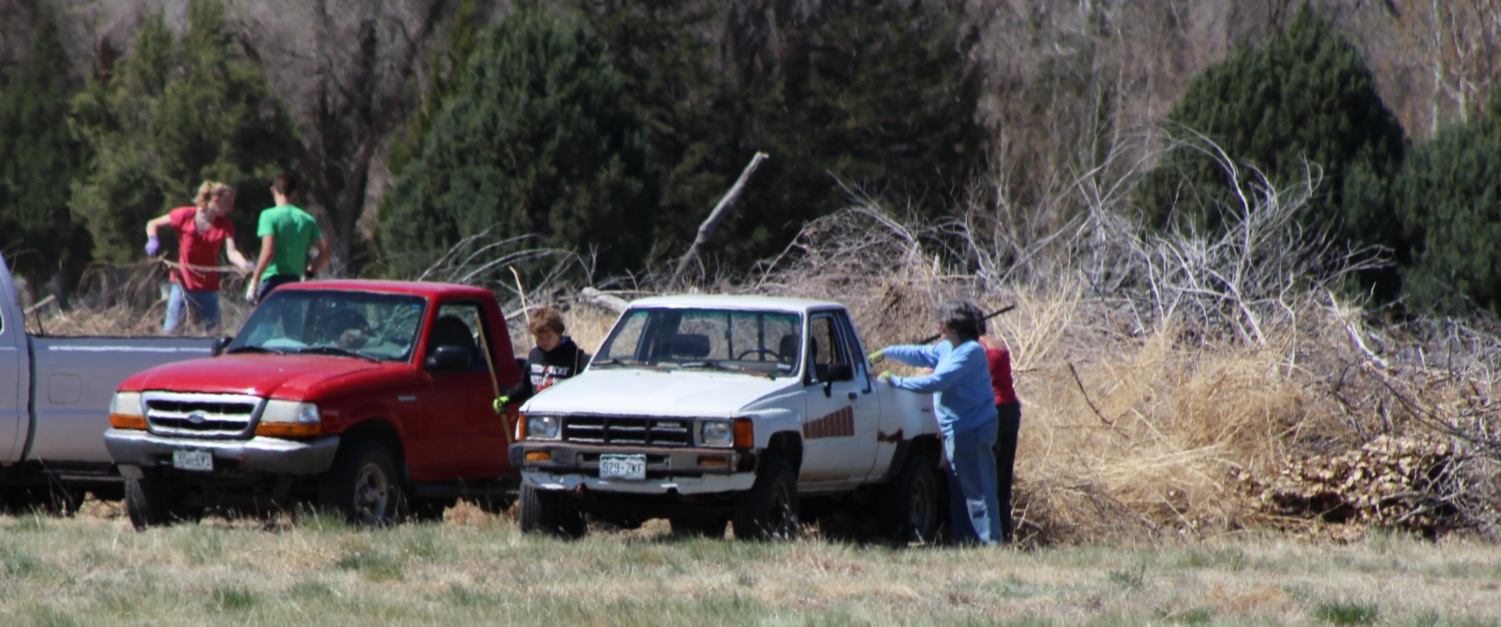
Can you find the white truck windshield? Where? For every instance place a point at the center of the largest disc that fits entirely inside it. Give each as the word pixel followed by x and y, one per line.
pixel 753 342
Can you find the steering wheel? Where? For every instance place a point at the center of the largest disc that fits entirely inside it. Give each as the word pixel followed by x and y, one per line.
pixel 762 351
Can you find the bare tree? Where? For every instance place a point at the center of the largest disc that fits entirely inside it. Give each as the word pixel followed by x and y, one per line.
pixel 352 71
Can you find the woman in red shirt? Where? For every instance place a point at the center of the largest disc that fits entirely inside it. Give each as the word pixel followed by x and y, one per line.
pixel 202 231
pixel 1009 410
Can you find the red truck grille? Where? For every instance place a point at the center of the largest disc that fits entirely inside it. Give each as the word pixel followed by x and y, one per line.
pixel 200 415
pixel 620 430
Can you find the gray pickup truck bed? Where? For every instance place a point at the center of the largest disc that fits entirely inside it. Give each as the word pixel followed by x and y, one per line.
pixel 55 394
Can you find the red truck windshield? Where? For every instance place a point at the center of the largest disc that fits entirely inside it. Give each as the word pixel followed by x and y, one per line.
pixel 369 325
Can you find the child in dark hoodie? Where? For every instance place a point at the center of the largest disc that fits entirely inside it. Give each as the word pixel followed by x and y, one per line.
pixel 555 358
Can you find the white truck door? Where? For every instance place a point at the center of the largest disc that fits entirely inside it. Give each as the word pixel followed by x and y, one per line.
pixel 15 379
pixel 839 426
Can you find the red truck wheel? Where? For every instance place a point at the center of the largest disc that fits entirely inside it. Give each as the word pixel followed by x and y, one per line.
pixel 769 508
pixel 151 502
pixel 362 486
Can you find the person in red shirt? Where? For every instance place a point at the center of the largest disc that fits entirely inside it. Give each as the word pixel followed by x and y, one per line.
pixel 202 231
pixel 1009 410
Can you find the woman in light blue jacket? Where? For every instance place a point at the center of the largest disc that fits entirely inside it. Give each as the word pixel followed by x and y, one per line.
pixel 964 400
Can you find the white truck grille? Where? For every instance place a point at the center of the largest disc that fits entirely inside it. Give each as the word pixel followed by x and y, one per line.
pixel 215 416
pixel 628 430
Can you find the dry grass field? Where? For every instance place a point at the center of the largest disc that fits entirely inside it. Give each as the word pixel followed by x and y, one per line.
pixel 477 568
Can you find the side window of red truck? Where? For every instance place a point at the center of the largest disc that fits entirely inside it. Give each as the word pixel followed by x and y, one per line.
pixel 459 324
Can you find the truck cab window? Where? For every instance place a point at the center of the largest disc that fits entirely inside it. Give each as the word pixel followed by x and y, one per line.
pixel 825 346
pixel 378 326
pixel 457 324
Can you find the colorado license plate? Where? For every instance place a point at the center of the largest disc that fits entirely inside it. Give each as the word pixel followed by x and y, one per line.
pixel 192 460
pixel 622 466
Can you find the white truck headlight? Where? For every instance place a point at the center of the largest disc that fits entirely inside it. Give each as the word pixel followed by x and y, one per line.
pixel 282 419
pixel 716 433
pixel 543 427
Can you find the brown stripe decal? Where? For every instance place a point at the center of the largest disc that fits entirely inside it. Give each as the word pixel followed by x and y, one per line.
pixel 840 424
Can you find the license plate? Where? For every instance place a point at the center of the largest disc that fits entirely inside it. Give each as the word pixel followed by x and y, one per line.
pixel 622 467
pixel 192 460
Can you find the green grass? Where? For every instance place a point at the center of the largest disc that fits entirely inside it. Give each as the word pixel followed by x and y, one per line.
pixel 96 570
pixel 1347 612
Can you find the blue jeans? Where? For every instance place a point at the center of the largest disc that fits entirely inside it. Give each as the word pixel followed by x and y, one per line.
pixel 274 281
pixel 203 304
pixel 974 510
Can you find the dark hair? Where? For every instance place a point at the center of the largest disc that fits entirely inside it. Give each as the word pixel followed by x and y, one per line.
pixel 285 183
pixel 962 317
pixel 546 319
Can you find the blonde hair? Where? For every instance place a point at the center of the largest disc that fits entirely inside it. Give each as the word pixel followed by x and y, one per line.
pixel 209 191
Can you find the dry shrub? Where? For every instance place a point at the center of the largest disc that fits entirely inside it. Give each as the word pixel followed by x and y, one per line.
pixel 1125 436
pixel 131 301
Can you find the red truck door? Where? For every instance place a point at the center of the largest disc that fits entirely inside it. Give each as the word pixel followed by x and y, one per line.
pixel 460 436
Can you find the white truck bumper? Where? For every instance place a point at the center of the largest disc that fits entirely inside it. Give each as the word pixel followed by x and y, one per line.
pixel 707 484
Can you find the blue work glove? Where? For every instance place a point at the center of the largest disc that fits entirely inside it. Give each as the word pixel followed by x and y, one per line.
pixel 885 376
pixel 878 356
pixel 500 404
pixel 153 245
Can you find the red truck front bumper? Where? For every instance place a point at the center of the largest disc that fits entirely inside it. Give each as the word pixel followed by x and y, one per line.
pixel 132 449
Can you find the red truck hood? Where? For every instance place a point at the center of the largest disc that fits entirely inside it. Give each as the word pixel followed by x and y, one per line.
pixel 280 376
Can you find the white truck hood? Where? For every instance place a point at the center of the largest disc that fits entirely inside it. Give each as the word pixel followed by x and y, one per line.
pixel 642 392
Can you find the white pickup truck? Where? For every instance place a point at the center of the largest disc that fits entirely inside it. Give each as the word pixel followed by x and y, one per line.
pixel 707 409
pixel 54 406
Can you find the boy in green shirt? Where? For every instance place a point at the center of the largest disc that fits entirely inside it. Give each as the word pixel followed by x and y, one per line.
pixel 286 233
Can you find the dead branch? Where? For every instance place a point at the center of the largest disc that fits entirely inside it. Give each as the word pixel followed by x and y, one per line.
pixel 1080 383
pixel 602 300
pixel 716 216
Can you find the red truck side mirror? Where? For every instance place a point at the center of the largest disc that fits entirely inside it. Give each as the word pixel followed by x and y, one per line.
pixel 448 358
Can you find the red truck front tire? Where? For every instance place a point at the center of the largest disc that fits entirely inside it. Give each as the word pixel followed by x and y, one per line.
pixel 363 486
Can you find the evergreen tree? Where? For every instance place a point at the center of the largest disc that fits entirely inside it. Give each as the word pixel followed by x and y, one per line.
pixel 445 69
pixel 175 112
pixel 881 95
pixel 535 141
pixel 38 162
pixel 666 58
pixel 1305 94
pixel 1450 204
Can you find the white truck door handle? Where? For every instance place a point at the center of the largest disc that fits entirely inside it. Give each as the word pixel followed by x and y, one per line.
pixel 854 396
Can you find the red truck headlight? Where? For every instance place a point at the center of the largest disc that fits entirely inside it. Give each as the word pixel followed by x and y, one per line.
pixel 126 411
pixel 289 419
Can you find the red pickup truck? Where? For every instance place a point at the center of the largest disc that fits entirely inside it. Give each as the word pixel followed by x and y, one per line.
pixel 367 398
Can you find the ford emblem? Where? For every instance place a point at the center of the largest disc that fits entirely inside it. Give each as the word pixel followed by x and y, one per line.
pixel 197 417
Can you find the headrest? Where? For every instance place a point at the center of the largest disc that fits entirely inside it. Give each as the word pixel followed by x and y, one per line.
pixel 787 348
pixel 692 345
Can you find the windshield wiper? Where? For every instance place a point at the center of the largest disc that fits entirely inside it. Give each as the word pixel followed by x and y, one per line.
pixel 616 361
pixel 251 348
pixel 714 365
pixel 335 350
